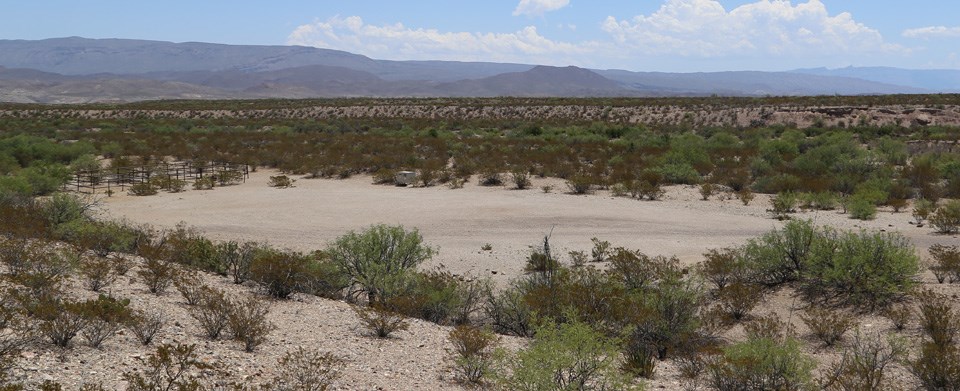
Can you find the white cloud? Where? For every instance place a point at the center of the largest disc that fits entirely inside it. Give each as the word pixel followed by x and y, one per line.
pixel 933 32
pixel 538 7
pixel 397 41
pixel 682 35
pixel 703 28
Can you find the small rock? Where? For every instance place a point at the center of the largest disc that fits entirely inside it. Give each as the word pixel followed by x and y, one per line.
pixel 493 272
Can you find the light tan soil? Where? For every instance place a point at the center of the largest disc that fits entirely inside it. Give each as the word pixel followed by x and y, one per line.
pixel 457 222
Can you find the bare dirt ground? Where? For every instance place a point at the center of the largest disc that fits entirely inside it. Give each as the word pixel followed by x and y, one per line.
pixel 458 222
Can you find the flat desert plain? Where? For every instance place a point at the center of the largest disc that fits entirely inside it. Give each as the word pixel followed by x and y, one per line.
pixel 459 222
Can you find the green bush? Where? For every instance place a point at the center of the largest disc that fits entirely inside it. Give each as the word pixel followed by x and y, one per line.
pixel 782 205
pixel 212 312
pixel 580 184
pixel 143 189
pixel 861 208
pixel 780 255
pixel 379 259
pixel 568 356
pixel 508 311
pixel 380 319
pixel 946 218
pixel 282 274
pixel 762 364
pixel 862 268
pixel 104 316
pixel 938 320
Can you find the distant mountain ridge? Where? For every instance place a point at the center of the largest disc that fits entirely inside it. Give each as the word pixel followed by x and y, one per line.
pixel 73 70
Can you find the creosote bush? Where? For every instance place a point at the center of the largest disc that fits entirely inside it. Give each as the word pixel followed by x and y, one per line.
pixel 946 262
pixel 307 370
pixel 474 352
pixel 380 320
pixel 145 325
pixel 864 364
pixel 247 321
pixel 281 182
pixel 171 367
pixel 158 274
pixel 212 312
pixel 104 316
pixel 762 364
pixel 827 325
pixel 946 218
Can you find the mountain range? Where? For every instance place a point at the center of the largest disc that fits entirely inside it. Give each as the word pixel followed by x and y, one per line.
pixel 76 70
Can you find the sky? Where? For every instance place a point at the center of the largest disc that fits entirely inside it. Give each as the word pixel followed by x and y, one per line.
pixel 637 35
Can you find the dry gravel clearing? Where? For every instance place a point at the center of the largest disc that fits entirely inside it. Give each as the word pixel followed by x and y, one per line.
pixel 459 222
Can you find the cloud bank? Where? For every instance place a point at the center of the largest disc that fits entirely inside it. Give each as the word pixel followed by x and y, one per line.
pixel 776 31
pixel 538 7
pixel 933 32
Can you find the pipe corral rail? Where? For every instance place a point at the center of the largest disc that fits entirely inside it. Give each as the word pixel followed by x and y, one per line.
pixel 111 179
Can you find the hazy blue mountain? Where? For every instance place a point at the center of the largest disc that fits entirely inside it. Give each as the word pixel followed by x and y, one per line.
pixel 939 80
pixel 751 83
pixel 78 69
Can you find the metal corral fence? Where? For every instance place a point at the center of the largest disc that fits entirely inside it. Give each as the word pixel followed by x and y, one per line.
pixel 120 178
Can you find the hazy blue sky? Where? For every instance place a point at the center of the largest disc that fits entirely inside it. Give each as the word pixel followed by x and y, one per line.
pixel 657 35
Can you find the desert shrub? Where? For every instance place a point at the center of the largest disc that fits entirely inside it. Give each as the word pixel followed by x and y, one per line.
pixel 97 273
pixel 580 184
pixel 101 237
pixel 578 258
pixel 922 209
pixel 872 269
pixel 186 246
pixel 143 189
pixel 283 181
pixel 946 218
pixel 60 320
pixel 779 256
pixel 619 190
pixel 442 298
pixel 380 320
pixel 205 183
pixel 663 320
pixel 306 370
pixel 191 287
pixel 938 320
pixel 175 185
pixel 706 190
pixel 62 208
pixel 569 356
pixel 41 269
pixel 600 251
pixel 782 205
pixel 521 180
pixel 281 274
pixel 861 208
pixel 745 195
pixel 490 178
pixel 145 325
pixel 212 313
pixel 827 325
pixel 541 260
pixel 474 352
pixel 247 321
pixel 900 315
pixel 937 367
pixel 636 270
pixel 508 312
pixel 722 267
pixel 227 177
pixel 169 368
pixel 739 298
pixel 769 326
pixel 157 274
pixel 946 262
pixel 236 259
pixel 863 365
pixel 762 364
pixel 105 316
pixel 378 258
